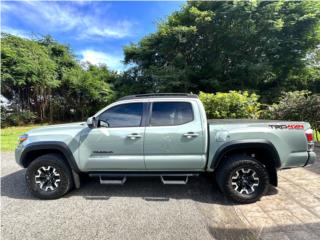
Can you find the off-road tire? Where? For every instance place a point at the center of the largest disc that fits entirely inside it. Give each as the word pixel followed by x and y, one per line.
pixel 57 162
pixel 234 163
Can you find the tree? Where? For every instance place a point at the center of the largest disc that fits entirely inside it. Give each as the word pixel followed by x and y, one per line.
pixel 28 74
pixel 87 91
pixel 44 77
pixel 219 46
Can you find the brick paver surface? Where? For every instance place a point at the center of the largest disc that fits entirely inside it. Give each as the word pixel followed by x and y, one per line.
pixel 292 211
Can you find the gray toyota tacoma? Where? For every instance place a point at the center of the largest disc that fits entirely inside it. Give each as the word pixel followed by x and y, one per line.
pixel 165 135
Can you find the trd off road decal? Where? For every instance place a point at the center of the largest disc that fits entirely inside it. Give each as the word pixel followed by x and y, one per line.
pixel 289 126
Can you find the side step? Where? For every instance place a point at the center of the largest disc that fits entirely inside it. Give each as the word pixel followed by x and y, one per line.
pixel 121 177
pixel 176 181
pixel 113 181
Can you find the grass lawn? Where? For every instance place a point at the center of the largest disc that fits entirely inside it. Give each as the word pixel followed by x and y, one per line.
pixel 314 137
pixel 9 136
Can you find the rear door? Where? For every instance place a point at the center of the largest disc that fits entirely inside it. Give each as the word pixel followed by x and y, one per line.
pixel 174 136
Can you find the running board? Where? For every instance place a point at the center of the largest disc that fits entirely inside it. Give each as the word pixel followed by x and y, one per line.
pixel 113 181
pixel 173 178
pixel 143 174
pixel 174 182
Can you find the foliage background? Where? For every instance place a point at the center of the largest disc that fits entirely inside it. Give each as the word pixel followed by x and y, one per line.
pixel 231 105
pixel 255 59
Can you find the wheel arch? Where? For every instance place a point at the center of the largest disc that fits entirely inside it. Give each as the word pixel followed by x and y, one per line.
pixel 263 150
pixel 34 150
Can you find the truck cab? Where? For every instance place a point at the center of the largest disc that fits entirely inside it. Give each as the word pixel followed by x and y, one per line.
pixel 161 134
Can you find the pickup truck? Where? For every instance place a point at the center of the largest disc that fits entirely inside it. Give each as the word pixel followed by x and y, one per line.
pixel 165 135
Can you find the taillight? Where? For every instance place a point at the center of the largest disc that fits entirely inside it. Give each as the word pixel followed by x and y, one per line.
pixel 309 135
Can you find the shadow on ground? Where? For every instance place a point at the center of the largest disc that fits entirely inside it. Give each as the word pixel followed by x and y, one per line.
pixel 297 231
pixel 314 168
pixel 202 189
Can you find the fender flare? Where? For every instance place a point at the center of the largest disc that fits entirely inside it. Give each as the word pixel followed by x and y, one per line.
pixel 57 146
pixel 245 144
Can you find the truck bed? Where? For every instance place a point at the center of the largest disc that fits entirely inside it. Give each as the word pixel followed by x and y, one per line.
pixel 248 121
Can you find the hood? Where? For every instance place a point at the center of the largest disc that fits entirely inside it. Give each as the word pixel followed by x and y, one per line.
pixel 59 127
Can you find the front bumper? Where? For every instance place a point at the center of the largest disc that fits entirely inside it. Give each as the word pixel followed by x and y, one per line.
pixel 18 153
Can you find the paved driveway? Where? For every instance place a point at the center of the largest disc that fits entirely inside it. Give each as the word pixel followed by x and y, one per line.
pixel 146 209
pixel 292 211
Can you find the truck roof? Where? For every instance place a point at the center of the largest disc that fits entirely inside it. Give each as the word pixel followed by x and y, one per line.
pixel 159 95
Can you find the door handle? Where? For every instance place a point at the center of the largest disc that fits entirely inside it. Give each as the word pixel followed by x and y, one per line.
pixel 133 136
pixel 190 135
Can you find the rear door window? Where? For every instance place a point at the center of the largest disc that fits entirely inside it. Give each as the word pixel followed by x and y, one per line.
pixel 171 113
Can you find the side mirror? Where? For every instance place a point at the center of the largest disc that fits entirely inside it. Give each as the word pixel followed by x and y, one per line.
pixel 92 122
pixel 103 124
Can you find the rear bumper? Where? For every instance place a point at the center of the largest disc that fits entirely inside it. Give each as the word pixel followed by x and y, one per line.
pixel 299 159
pixel 312 157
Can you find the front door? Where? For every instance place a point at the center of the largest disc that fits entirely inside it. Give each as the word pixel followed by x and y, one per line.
pixel 174 137
pixel 117 144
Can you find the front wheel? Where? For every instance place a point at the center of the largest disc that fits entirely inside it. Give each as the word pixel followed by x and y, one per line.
pixel 49 177
pixel 243 179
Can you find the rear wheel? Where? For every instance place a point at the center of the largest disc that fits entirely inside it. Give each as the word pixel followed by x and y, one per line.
pixel 49 177
pixel 243 179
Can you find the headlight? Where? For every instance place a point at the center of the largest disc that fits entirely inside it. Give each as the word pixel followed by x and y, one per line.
pixel 22 138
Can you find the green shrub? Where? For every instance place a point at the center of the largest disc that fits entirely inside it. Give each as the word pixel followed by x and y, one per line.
pixel 17 118
pixel 291 106
pixel 296 106
pixel 231 105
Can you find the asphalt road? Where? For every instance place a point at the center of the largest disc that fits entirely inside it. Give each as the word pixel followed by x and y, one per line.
pixel 140 209
pixel 146 209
